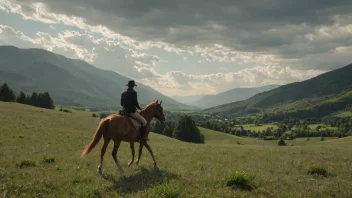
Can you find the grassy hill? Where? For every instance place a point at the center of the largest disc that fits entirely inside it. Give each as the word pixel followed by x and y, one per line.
pixel 70 82
pixel 185 169
pixel 232 95
pixel 316 97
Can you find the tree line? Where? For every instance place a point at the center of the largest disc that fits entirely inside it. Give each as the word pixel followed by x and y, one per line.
pixel 42 100
pixel 287 129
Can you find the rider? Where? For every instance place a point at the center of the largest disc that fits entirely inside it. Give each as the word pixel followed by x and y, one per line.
pixel 130 104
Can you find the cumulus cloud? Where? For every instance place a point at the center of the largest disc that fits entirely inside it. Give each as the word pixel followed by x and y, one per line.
pixel 104 53
pixel 287 42
pixel 144 60
pixel 272 34
pixel 187 84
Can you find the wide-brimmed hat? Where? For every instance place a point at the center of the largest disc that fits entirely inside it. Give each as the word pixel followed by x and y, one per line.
pixel 131 83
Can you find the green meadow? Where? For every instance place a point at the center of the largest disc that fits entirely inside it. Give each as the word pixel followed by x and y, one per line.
pixel 40 157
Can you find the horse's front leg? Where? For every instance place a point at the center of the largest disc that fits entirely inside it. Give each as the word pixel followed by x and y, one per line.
pixel 151 153
pixel 133 152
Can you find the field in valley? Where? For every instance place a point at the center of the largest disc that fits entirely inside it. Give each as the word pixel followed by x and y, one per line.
pixel 30 134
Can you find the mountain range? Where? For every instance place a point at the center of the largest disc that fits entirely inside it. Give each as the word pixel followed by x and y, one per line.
pixel 74 82
pixel 69 81
pixel 233 95
pixel 315 97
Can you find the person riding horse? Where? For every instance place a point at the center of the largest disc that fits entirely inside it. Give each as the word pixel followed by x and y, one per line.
pixel 130 104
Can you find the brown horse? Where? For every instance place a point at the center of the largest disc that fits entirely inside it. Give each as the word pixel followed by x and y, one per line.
pixel 120 128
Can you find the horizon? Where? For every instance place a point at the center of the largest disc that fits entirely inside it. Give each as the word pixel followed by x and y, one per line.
pixel 191 51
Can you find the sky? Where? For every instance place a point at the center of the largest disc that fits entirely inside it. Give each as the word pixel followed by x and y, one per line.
pixel 189 47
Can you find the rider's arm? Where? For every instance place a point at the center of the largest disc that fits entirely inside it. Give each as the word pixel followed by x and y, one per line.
pixel 121 99
pixel 136 101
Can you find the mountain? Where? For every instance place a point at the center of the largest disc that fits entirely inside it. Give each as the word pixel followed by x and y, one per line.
pixel 190 100
pixel 316 97
pixel 232 95
pixel 69 81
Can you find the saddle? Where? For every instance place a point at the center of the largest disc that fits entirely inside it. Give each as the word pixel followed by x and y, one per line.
pixel 136 123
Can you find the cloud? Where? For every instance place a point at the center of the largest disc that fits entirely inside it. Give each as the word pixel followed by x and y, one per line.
pixel 104 53
pixel 144 60
pixel 109 54
pixel 9 36
pixel 287 42
pixel 187 84
pixel 270 33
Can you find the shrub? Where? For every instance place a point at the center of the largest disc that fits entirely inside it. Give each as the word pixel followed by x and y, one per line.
pixel 49 160
pixel 308 139
pixel 317 170
pixel 322 139
pixel 240 180
pixel 281 142
pixel 25 163
pixel 163 190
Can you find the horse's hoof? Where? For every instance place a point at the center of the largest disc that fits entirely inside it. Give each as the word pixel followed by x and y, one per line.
pixel 99 171
pixel 129 164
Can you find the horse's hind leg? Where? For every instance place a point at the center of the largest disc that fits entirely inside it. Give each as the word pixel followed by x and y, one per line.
pixel 140 152
pixel 103 150
pixel 133 152
pixel 114 153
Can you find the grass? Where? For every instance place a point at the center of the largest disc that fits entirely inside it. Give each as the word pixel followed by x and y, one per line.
pixel 185 169
pixel 163 190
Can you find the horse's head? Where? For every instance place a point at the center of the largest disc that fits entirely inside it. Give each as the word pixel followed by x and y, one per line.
pixel 158 111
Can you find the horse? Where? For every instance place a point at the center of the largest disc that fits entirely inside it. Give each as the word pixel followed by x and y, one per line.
pixel 120 128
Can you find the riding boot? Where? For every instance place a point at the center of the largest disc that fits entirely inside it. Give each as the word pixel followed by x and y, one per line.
pixel 143 132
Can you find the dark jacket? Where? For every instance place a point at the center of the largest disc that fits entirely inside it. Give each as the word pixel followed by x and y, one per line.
pixel 129 101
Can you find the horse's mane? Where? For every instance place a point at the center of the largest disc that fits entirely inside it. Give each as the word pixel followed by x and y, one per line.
pixel 149 105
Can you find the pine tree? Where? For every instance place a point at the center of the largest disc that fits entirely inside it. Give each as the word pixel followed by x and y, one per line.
pixel 158 127
pixel 40 102
pixel 48 102
pixel 21 98
pixel 33 100
pixel 44 101
pixel 6 94
pixel 168 130
pixel 28 100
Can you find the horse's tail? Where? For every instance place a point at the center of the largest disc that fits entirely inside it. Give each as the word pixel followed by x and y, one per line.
pixel 103 126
